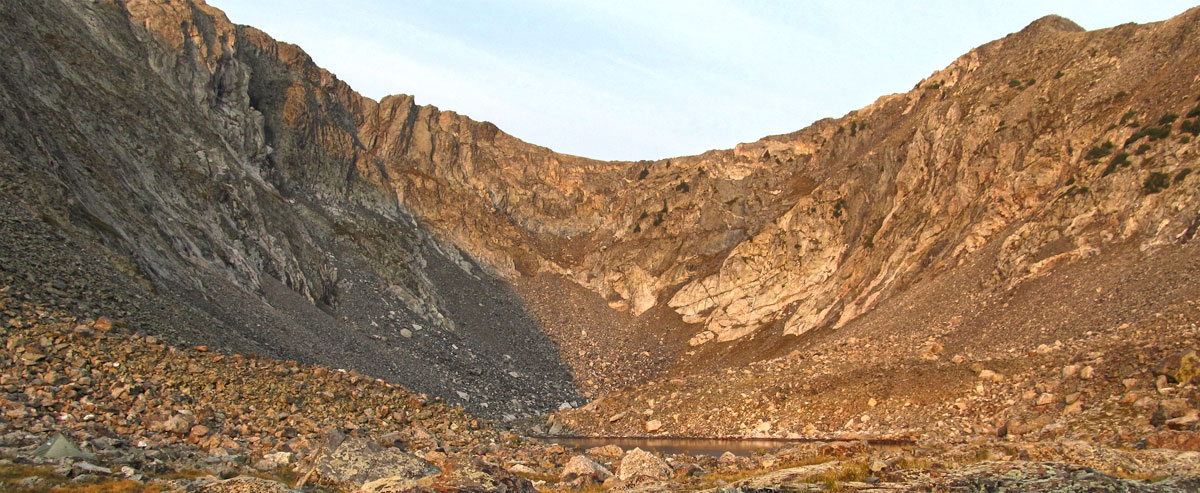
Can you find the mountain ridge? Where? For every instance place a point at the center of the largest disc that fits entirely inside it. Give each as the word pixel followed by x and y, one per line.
pixel 794 233
pixel 996 269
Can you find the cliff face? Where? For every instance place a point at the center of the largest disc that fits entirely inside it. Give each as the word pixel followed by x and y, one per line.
pixel 258 195
pixel 208 172
pixel 1050 145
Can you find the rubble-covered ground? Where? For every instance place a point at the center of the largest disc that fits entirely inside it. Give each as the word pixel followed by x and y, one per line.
pixel 154 417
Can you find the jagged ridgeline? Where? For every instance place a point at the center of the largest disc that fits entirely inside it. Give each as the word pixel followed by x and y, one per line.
pixel 207 182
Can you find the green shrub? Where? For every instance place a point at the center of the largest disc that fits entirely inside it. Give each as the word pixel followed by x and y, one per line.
pixel 1121 159
pixel 1014 83
pixel 1129 116
pixel 1194 113
pixel 1059 75
pixel 1191 127
pixel 643 174
pixel 1156 182
pixel 1183 173
pixel 1100 151
pixel 1112 166
pixel 1155 133
pixel 1168 119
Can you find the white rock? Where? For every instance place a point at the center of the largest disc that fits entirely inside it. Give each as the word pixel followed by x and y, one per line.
pixel 521 469
pixel 1087 372
pixel 641 464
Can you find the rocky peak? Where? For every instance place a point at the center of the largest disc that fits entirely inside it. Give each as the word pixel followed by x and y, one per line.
pixel 1053 23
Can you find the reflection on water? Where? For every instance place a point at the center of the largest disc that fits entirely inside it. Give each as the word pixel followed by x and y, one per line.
pixel 693 446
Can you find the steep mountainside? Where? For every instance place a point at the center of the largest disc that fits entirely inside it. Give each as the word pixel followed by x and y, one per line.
pixel 1048 146
pixel 812 229
pixel 160 161
pixel 249 200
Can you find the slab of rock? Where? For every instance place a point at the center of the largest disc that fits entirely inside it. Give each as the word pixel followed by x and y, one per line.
pixel 357 461
pixel 246 484
pixel 639 464
pixel 521 469
pixel 791 479
pixel 1187 441
pixel 395 485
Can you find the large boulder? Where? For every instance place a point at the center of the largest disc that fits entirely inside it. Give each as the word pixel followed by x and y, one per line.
pixel 356 461
pixel 584 470
pixel 1180 367
pixel 639 464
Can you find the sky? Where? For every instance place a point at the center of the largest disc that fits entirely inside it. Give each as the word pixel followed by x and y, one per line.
pixel 650 79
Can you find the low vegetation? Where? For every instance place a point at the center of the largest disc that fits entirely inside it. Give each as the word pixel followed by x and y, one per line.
pixel 1156 182
pixel 1097 152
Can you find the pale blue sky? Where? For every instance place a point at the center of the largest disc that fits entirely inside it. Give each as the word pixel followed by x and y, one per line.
pixel 652 79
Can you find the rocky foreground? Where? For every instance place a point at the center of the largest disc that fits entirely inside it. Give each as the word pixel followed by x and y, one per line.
pixel 148 416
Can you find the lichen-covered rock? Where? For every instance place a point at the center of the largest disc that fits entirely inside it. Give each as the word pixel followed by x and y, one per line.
pixel 471 474
pixel 1180 366
pixel 1047 476
pixel 246 484
pixel 357 461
